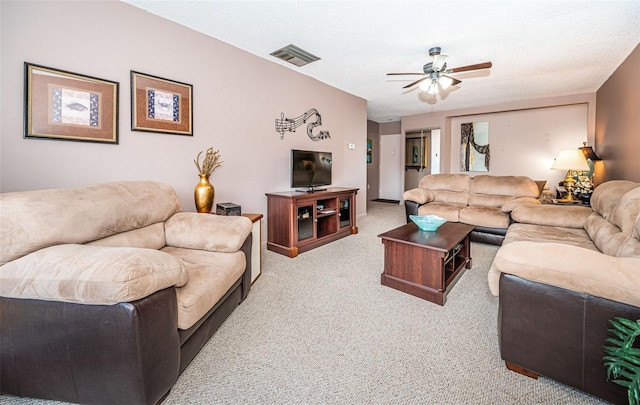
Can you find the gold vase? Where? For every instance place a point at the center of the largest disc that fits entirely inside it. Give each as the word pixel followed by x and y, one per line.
pixel 203 194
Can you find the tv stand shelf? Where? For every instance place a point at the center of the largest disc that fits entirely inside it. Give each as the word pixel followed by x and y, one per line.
pixel 300 221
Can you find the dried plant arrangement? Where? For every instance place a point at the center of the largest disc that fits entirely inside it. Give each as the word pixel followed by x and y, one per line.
pixel 210 162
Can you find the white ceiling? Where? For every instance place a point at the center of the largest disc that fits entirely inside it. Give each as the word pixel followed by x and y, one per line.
pixel 538 48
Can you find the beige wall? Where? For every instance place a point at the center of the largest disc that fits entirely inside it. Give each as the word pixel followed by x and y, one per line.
pixel 237 97
pixel 525 142
pixel 545 126
pixel 618 121
pixel 390 128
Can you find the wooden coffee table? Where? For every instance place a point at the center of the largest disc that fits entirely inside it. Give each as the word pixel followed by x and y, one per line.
pixel 426 264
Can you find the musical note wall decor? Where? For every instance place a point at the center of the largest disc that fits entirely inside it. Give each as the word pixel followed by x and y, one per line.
pixel 288 124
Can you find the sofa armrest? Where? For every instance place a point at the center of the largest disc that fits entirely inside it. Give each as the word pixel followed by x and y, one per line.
pixel 94 275
pixel 216 233
pixel 570 267
pixel 419 195
pixel 551 215
pixel 516 202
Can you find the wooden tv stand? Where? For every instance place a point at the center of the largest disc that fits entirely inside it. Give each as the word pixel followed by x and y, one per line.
pixel 299 221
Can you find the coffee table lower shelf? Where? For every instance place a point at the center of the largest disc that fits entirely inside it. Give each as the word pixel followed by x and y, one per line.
pixel 426 264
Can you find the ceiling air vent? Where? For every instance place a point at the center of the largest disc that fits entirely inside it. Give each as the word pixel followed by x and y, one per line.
pixel 295 55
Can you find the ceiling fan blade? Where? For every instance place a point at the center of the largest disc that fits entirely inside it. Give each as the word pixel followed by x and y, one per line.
pixel 393 74
pixel 485 65
pixel 416 82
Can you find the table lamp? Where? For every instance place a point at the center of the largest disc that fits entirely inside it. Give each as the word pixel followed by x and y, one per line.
pixel 571 160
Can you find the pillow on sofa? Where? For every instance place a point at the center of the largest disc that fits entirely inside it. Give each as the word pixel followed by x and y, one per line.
pixel 496 191
pixel 631 245
pixel 82 214
pixel 511 204
pixel 91 274
pixel 215 233
pixel 419 195
pixel 551 215
pixel 448 188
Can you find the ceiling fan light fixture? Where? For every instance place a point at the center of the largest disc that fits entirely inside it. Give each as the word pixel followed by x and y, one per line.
pixel 435 74
pixel 439 62
pixel 446 82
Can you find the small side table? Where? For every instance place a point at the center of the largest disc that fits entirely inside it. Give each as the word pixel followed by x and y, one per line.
pixel 256 248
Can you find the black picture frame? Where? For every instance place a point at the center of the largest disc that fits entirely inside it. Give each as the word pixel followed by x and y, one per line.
pixel 161 105
pixel 68 106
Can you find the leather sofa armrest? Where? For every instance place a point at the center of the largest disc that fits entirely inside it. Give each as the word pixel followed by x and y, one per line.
pixel 419 195
pixel 410 208
pixel 95 275
pixel 551 215
pixel 216 233
pixel 569 267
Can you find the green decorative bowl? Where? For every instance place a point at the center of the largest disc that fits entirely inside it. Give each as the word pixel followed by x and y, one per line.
pixel 429 223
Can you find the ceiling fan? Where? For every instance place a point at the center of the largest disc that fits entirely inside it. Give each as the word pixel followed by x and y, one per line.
pixel 435 73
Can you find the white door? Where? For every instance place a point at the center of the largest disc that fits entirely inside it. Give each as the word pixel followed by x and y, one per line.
pixel 435 151
pixel 391 160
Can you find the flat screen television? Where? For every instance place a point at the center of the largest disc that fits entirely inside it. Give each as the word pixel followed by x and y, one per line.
pixel 310 170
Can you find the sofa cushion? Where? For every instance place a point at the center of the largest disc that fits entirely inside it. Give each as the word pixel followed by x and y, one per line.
pixel 491 217
pixel 211 232
pixel 516 202
pixel 543 233
pixel 450 212
pixel 552 215
pixel 211 274
pixel 32 220
pixel 495 191
pixel 448 188
pixel 149 237
pixel 607 197
pixel 419 195
pixel 627 210
pixel 630 247
pixel 605 235
pixel 616 206
pixel 90 274
pixel 569 267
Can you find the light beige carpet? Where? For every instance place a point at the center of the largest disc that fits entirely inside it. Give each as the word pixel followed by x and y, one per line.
pixel 321 329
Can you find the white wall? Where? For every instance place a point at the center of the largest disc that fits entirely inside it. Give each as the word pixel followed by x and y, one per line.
pixel 236 99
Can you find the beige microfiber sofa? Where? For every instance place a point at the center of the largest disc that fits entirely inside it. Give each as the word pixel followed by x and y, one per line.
pixel 484 201
pixel 108 291
pixel 562 273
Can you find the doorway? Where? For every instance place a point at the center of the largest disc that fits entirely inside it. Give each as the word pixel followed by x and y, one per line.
pixel 422 155
pixel 391 165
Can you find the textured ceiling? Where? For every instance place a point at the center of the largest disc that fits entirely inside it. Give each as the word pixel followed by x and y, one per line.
pixel 538 48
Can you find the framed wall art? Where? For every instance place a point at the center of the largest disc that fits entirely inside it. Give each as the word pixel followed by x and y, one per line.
pixel 161 105
pixel 69 106
pixel 475 153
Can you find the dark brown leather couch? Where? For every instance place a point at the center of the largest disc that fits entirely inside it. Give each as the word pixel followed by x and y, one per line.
pixel 559 334
pixel 108 291
pixel 483 201
pixel 128 353
pixel 562 274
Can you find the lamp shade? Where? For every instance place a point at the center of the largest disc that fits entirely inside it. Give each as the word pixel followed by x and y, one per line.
pixel 570 159
pixel 589 153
